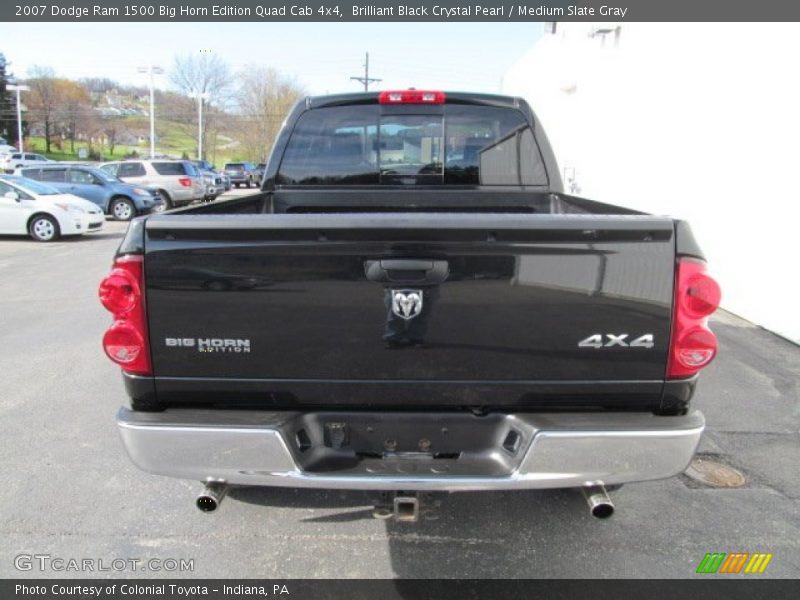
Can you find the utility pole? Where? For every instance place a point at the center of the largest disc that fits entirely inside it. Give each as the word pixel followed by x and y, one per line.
pixel 18 89
pixel 153 70
pixel 366 79
pixel 200 97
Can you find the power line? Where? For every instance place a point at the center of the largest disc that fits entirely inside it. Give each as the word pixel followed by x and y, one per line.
pixel 366 79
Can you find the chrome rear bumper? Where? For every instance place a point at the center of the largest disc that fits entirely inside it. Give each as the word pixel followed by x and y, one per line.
pixel 552 451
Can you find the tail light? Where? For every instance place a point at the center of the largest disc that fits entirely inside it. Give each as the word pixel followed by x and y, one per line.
pixel 693 345
pixel 185 182
pixel 121 293
pixel 411 97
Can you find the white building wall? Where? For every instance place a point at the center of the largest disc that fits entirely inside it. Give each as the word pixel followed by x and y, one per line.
pixel 698 121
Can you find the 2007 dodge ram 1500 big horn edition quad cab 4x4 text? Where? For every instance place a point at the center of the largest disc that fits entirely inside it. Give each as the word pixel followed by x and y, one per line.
pixel 410 303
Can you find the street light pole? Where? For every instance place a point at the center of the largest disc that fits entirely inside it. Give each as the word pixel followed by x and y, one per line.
pixel 199 127
pixel 19 88
pixel 200 97
pixel 153 70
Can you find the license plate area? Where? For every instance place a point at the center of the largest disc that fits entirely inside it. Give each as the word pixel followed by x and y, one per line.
pixel 413 444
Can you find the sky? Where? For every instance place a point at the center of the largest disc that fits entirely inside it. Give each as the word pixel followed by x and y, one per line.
pixel 322 56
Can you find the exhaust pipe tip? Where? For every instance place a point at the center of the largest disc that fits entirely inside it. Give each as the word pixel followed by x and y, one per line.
pixel 603 510
pixel 207 503
pixel 211 496
pixel 600 505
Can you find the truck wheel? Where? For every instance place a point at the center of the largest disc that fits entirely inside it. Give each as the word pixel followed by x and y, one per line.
pixel 122 209
pixel 44 228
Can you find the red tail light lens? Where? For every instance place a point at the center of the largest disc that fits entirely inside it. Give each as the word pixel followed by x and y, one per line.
pixel 696 348
pixel 120 292
pixel 123 343
pixel 702 295
pixel 693 346
pixel 411 97
pixel 185 182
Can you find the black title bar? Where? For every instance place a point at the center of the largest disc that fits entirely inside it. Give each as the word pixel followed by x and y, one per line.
pixel 390 10
pixel 417 589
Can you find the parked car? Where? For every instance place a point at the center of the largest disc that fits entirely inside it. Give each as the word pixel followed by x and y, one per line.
pixel 226 181
pixel 5 149
pixel 223 176
pixel 121 200
pixel 43 212
pixel 448 319
pixel 242 173
pixel 215 184
pixel 16 160
pixel 177 182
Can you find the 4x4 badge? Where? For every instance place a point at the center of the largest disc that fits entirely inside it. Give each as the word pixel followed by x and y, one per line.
pixel 406 304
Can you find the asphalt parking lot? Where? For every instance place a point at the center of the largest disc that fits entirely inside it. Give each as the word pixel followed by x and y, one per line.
pixel 69 491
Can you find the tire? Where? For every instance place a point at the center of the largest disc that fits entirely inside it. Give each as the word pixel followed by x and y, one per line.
pixel 122 209
pixel 44 228
pixel 167 200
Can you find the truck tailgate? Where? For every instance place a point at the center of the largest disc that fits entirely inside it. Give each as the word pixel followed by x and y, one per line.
pixel 416 308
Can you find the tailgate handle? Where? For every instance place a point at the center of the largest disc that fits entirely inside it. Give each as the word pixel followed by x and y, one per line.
pixel 407 270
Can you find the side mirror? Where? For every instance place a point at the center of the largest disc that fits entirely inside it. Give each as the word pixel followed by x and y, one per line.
pixel 12 196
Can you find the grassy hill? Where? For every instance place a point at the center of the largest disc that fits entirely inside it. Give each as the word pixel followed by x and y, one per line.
pixel 172 140
pixel 174 137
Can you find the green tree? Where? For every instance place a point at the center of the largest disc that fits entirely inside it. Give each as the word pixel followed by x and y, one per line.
pixel 206 74
pixel 8 105
pixel 43 101
pixel 265 98
pixel 73 110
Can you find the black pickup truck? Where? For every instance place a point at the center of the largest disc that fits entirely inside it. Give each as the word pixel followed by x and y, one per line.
pixel 410 303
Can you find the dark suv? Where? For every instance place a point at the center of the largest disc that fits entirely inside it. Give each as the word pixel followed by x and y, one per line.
pixel 242 173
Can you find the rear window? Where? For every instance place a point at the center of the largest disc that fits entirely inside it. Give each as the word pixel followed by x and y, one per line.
pixel 467 145
pixel 234 166
pixel 170 168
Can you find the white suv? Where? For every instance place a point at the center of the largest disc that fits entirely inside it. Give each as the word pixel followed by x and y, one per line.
pixel 178 181
pixel 15 160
